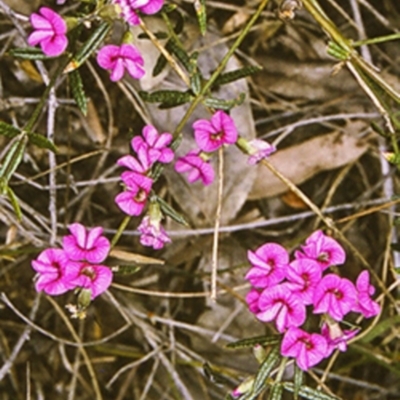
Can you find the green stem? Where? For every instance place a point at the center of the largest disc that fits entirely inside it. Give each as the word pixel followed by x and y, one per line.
pixel 219 69
pixel 380 39
pixel 121 228
pixel 40 106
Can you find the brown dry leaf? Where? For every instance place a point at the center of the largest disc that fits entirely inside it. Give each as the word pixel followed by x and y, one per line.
pixel 302 161
pixel 94 129
pixel 134 257
pixel 236 21
pixel 197 201
pixel 292 200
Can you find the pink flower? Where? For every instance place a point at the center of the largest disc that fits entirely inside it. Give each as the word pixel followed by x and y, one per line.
pixel 308 349
pixel 211 135
pixel 50 32
pixel 140 165
pixel 196 166
pixel 279 304
pixel 335 296
pixel 134 198
pixel 129 9
pixel 154 144
pixel 269 264
pixel 336 338
pixel 56 272
pixel 303 276
pixel 259 149
pixel 323 249
pixel 365 305
pixel 86 244
pixel 252 300
pixel 96 278
pixel 119 58
pixel 152 233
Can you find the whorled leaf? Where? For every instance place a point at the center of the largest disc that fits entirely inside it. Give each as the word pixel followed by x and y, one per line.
pixel 167 98
pixel 29 53
pixel 276 392
pixel 309 393
pixel 78 91
pixel 170 212
pixel 226 105
pixel 201 12
pixel 13 158
pixel 42 142
pixel 298 381
pixel 233 76
pixel 251 342
pixel 8 130
pixel 14 201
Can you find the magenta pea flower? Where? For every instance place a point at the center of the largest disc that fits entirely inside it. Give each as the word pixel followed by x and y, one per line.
pixel 334 295
pixel 56 272
pixel 152 233
pixel 49 31
pixel 154 145
pixel 279 304
pixel 259 149
pixel 269 262
pixel 119 58
pixel 336 338
pixel 308 349
pixel 252 300
pixel 323 249
pixel 96 278
pixel 133 200
pixel 130 9
pixel 303 276
pixel 197 167
pixel 211 135
pixel 138 165
pixel 86 244
pixel 364 304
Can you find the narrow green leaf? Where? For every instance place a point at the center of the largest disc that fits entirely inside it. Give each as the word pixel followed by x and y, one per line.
pixel 200 7
pixel 309 393
pixel 180 54
pixel 226 105
pixel 251 342
pixel 13 158
pixel 14 202
pixel 215 376
pixel 158 35
pixel 260 382
pixel 195 75
pixel 41 141
pixel 381 328
pixel 170 212
pixel 29 53
pixel 232 76
pixel 89 46
pixel 8 130
pixel 167 98
pixel 78 91
pixel 276 392
pixel 298 381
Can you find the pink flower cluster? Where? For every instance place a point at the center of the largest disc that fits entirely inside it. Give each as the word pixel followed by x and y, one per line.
pixel 76 265
pixel 129 9
pixel 209 136
pixel 282 289
pixel 150 148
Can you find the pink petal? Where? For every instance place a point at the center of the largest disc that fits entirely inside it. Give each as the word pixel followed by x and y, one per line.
pixel 40 23
pixel 37 36
pixel 54 46
pixel 118 70
pixel 106 57
pixel 92 236
pixel 58 24
pixel 135 69
pixel 100 252
pixel 79 232
pixel 152 7
pixel 128 205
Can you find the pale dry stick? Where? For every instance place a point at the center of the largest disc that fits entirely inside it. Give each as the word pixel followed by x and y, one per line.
pixel 86 201
pixel 129 381
pixel 85 356
pixel 51 115
pixel 361 30
pixel 150 379
pixel 21 341
pixel 131 365
pixel 75 367
pixel 379 17
pixel 343 13
pixel 137 104
pixel 227 322
pixel 28 381
pixel 50 335
pixel 175 66
pixel 321 384
pixel 214 259
pixel 332 189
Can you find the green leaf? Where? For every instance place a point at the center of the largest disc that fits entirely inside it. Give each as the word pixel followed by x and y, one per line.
pixel 380 328
pixel 200 7
pixel 167 98
pixel 309 393
pixel 276 392
pixel 41 141
pixel 78 91
pixel 29 53
pixel 180 54
pixel 232 76
pixel 89 46
pixel 14 202
pixel 158 35
pixel 260 382
pixel 195 75
pixel 126 269
pixel 226 105
pixel 215 376
pixel 13 158
pixel 298 381
pixel 8 130
pixel 170 212
pixel 251 342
